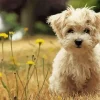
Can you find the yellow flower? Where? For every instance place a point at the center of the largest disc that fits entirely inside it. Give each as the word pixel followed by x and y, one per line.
pixel 11 33
pixel 25 29
pixel 39 41
pixel 4 35
pixel 0 75
pixel 30 62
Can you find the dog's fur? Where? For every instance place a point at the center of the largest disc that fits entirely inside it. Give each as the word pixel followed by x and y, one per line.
pixel 76 69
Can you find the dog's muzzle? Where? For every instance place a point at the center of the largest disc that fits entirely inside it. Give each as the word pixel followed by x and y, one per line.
pixel 78 42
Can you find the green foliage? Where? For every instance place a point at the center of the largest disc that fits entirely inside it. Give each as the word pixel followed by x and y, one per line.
pixel 40 27
pixel 82 3
pixel 11 17
pixel 11 20
pixel 97 8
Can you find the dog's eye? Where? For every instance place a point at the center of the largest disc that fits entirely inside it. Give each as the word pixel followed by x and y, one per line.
pixel 86 30
pixel 70 31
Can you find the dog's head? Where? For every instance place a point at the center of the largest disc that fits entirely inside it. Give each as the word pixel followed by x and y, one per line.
pixel 77 29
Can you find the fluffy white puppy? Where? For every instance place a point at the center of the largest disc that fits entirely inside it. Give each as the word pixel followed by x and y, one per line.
pixel 76 68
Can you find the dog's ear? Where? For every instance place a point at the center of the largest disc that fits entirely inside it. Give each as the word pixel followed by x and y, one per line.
pixel 54 22
pixel 98 27
pixel 98 20
pixel 57 21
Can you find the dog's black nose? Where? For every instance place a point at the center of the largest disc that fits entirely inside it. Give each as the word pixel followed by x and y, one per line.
pixel 78 42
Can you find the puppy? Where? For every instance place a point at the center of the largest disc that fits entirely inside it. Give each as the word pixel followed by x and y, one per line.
pixel 76 68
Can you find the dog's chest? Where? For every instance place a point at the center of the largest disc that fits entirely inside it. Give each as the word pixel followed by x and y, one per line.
pixel 79 69
pixel 79 66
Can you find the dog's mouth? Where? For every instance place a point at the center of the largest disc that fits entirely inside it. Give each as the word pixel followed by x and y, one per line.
pixel 78 46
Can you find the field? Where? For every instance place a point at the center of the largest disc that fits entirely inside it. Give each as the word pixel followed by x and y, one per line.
pixel 25 67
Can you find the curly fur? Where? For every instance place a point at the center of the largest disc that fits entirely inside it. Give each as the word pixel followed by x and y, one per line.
pixel 76 70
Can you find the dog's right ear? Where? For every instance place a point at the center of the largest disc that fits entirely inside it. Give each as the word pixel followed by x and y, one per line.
pixel 57 21
pixel 98 20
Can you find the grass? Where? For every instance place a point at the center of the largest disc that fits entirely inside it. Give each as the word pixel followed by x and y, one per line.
pixel 16 74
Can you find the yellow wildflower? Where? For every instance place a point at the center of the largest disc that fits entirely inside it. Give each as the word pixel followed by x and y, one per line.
pixel 39 41
pixel 25 29
pixel 30 62
pixel 0 75
pixel 4 35
pixel 11 33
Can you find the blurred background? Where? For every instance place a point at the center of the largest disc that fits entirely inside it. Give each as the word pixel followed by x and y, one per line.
pixel 15 15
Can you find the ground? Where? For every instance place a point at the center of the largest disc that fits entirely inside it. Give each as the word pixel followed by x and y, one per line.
pixel 16 73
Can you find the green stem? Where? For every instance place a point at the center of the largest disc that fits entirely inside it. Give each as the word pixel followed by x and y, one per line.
pixel 7 88
pixel 19 79
pixel 37 77
pixel 26 89
pixel 12 48
pixel 43 68
pixel 36 67
pixel 27 83
pixel 7 80
pixel 16 86
pixel 2 54
pixel 42 84
pixel 4 85
pixel 28 72
pixel 15 64
pixel 32 74
pixel 2 49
